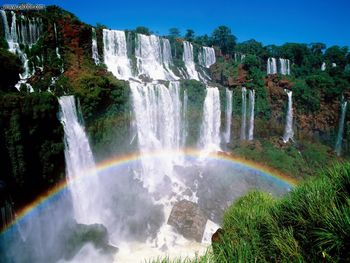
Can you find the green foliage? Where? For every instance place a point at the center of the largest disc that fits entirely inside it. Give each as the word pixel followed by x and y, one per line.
pixel 143 30
pixel 325 83
pixel 32 137
pixel 251 62
pixel 189 36
pixel 223 38
pixel 252 47
pixel 302 161
pixel 174 32
pixel 336 54
pixel 307 99
pixel 3 43
pixel 196 94
pixel 310 224
pixel 10 67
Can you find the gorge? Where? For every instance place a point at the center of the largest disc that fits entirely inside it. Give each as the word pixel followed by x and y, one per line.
pixel 126 128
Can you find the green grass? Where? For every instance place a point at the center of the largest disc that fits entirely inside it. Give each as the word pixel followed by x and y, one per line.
pixel 299 161
pixel 310 224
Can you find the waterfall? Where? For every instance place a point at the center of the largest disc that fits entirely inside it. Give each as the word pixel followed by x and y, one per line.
pixel 251 114
pixel 228 116
pixel 288 132
pixel 338 145
pixel 244 114
pixel 184 119
pixel 154 57
pixel 168 58
pixel 115 54
pixel 210 130
pixel 80 164
pixel 323 66
pixel 284 66
pixel 159 124
pixel 206 57
pixel 56 39
pixel 95 55
pixel 26 32
pixel 188 60
pixel 271 66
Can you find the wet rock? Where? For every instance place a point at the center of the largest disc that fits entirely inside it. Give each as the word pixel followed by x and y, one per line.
pixel 81 234
pixel 188 219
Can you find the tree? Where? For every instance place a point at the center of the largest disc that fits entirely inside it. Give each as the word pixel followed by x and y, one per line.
pixel 251 62
pixel 203 40
pixel 143 30
pixel 317 48
pixel 174 32
pixel 337 55
pixel 189 36
pixel 295 52
pixel 252 47
pixel 223 38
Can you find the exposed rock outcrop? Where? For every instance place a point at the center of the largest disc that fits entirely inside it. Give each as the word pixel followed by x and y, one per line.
pixel 188 219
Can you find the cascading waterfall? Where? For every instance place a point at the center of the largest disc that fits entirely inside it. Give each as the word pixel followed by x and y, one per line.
pixel 115 54
pixel 188 60
pixel 206 57
pixel 323 66
pixel 284 66
pixel 168 58
pixel 338 145
pixel 271 66
pixel 80 165
pixel 56 39
pixel 210 130
pixel 26 32
pixel 94 50
pixel 244 114
pixel 159 124
pixel 228 116
pixel 150 57
pixel 288 132
pixel 251 114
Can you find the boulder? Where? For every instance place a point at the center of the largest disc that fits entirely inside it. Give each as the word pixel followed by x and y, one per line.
pixel 188 220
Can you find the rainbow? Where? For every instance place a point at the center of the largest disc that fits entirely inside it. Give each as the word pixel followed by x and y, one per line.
pixel 116 161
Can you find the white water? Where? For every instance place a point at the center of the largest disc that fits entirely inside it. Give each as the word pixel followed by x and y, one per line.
pixel 94 50
pixel 271 66
pixel 288 131
pixel 206 57
pixel 189 62
pixel 284 66
pixel 244 114
pixel 80 165
pixel 323 66
pixel 26 32
pixel 228 116
pixel 115 54
pixel 159 123
pixel 168 58
pixel 338 145
pixel 210 129
pixel 251 114
pixel 152 55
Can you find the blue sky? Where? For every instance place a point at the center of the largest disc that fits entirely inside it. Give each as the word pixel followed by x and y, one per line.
pixel 268 21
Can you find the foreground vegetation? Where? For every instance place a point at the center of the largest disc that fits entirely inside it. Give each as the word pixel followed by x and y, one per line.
pixel 311 224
